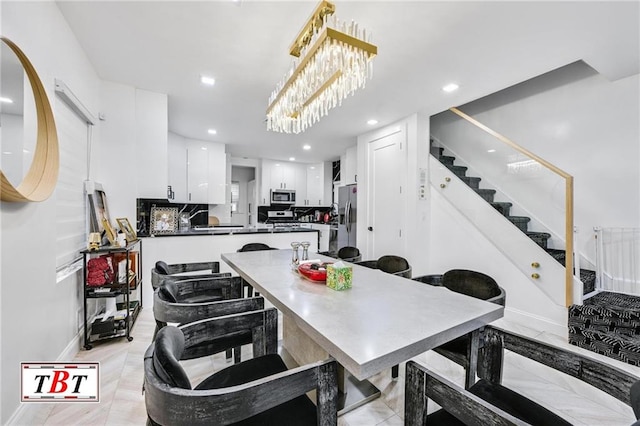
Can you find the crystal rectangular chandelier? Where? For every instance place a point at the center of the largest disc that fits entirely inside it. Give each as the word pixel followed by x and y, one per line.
pixel 334 60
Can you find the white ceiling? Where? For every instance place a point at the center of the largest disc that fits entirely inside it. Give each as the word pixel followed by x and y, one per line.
pixel 165 46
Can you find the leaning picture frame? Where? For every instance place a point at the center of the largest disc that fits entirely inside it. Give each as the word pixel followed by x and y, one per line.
pixel 125 226
pixel 109 232
pixel 164 220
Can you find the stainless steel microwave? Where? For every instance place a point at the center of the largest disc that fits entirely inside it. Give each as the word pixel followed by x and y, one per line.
pixel 283 196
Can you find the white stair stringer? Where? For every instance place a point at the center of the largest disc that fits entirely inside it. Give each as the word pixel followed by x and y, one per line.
pixel 507 238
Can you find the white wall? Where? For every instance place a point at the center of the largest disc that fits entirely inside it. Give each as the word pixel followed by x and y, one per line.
pixel 37 315
pixel 577 120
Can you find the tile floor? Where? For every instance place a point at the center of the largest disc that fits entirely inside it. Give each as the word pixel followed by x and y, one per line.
pixel 122 402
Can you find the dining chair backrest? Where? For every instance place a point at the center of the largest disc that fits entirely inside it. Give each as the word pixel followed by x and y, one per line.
pixel 472 283
pixel 394 265
pixel 349 254
pixel 254 247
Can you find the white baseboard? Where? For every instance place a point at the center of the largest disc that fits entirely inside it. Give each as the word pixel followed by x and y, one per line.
pixel 72 349
pixel 25 417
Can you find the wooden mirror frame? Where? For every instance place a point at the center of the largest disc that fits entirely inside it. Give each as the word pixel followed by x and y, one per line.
pixel 40 181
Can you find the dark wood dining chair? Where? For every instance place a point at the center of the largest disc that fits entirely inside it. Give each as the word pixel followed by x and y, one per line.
pixel 488 402
pixel 252 247
pixel 179 271
pixel 259 391
pixel 185 301
pixel 462 350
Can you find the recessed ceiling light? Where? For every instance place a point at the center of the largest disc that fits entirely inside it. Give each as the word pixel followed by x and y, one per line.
pixel 292 158
pixel 212 131
pixel 209 81
pixel 372 122
pixel 204 148
pixel 6 100
pixel 450 87
pixel 306 147
pixel 491 150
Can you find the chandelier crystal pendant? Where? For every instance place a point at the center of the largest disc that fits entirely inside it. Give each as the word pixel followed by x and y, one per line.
pixel 334 61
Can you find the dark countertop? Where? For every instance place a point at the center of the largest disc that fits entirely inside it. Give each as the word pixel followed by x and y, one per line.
pixel 223 231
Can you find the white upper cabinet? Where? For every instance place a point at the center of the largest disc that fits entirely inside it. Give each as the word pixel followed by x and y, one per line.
pixel 348 173
pixel 197 170
pixel 177 150
pixel 308 180
pixel 280 175
pixel 151 127
pixel 217 173
pixel 316 185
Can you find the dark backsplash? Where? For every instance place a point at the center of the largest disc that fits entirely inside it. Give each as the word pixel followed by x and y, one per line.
pixel 143 212
pixel 298 212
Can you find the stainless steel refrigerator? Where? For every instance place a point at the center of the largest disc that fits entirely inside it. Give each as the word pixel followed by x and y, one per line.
pixel 347 214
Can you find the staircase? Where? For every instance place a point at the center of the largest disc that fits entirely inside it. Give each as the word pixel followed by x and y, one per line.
pixel 607 323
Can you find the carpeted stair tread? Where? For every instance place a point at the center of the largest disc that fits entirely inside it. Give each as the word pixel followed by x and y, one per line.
pixel 487 194
pixel 458 170
pixel 503 207
pixel 522 222
pixel 540 238
pixel 446 159
pixel 473 182
pixel 588 279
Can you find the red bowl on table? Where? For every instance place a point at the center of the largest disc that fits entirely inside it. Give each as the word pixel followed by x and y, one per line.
pixel 316 272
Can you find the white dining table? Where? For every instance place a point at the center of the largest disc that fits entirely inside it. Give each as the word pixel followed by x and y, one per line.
pixel 381 321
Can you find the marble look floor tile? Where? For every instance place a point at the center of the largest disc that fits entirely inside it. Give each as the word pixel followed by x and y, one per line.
pixel 372 413
pixel 571 396
pixel 392 421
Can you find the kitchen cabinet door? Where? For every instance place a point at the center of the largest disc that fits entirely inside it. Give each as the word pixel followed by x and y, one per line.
pixel 197 172
pixel 217 173
pixel 350 167
pixel 177 169
pixel 265 183
pixel 315 184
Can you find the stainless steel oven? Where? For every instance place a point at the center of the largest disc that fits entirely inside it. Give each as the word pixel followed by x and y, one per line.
pixel 283 196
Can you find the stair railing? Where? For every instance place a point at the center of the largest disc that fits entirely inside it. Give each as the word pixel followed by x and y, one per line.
pixel 568 179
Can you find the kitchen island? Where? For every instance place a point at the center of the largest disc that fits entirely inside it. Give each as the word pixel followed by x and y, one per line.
pixel 206 245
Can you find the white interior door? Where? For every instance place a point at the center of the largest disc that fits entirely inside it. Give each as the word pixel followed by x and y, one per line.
pixel 386 205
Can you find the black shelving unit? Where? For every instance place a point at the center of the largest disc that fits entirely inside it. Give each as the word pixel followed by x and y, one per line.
pixel 125 289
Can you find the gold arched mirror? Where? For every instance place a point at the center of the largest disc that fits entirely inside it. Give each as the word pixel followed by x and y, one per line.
pixel 39 181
